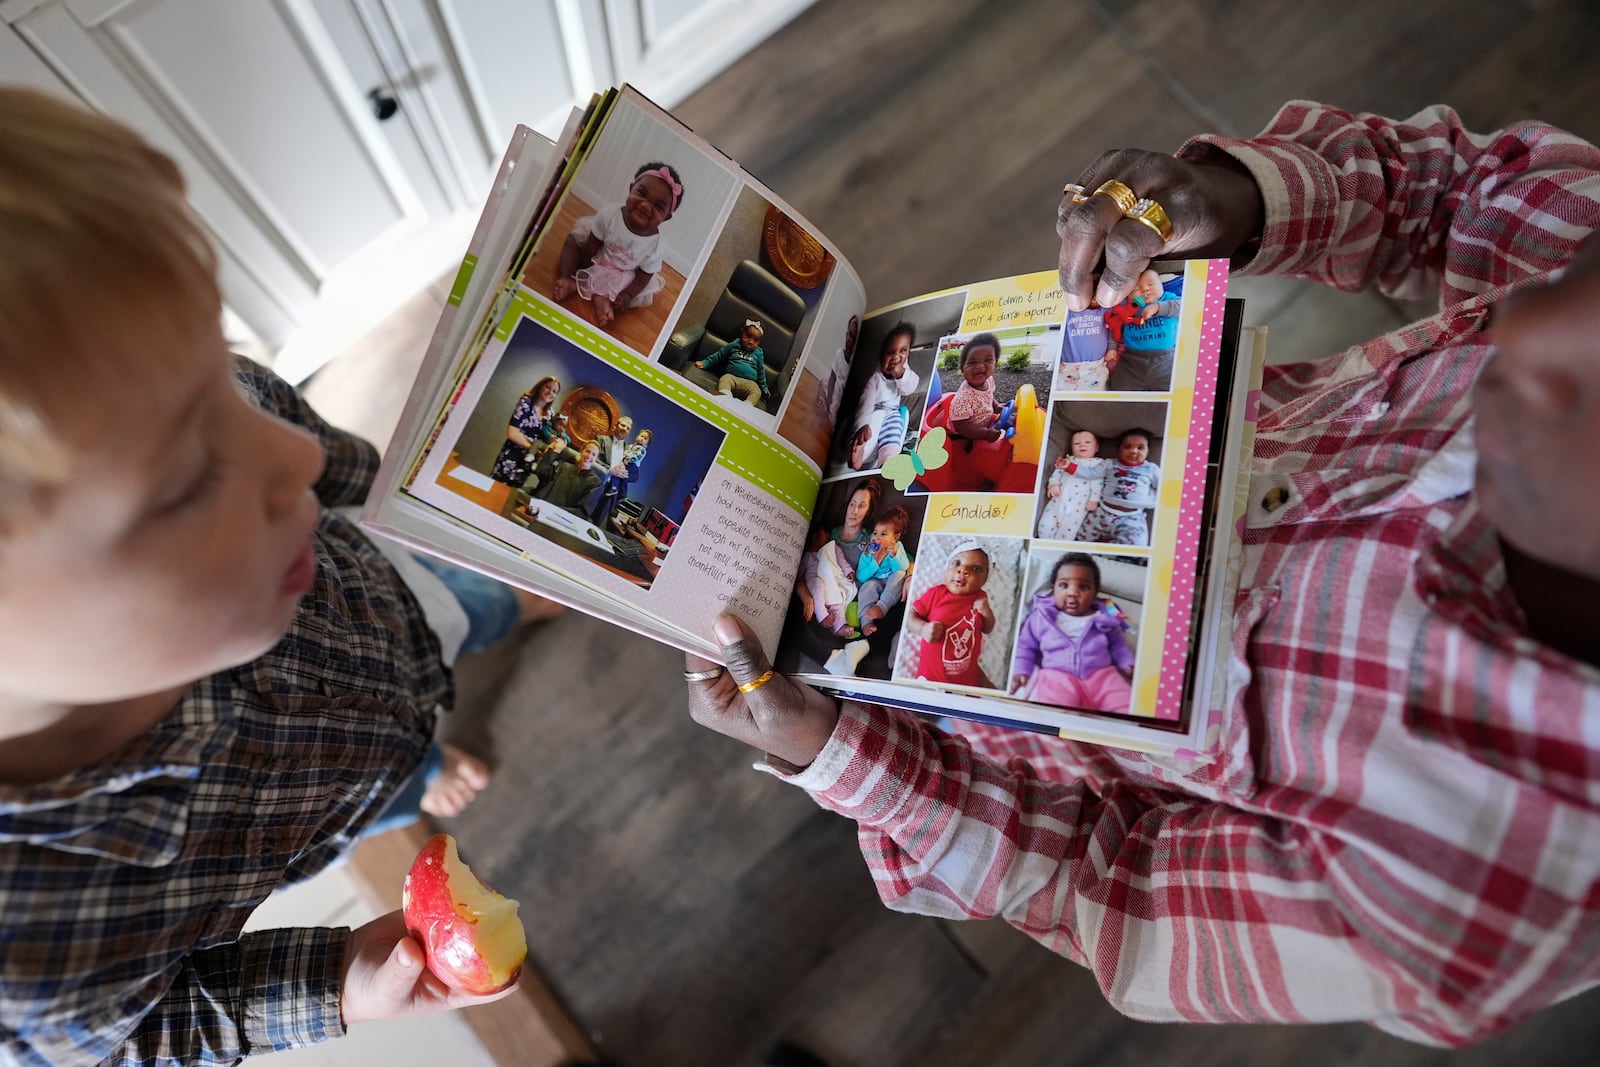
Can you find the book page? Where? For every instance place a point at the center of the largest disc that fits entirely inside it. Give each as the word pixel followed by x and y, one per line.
pixel 1012 508
pixel 646 407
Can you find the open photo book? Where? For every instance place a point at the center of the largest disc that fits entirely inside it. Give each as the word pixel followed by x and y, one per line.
pixel 656 394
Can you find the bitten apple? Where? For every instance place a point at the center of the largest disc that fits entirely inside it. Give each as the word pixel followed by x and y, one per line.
pixel 472 936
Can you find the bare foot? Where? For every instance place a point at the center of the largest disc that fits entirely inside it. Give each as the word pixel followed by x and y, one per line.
pixel 458 784
pixel 534 608
pixel 564 288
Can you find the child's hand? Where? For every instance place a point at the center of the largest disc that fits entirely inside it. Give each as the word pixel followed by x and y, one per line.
pixel 604 313
pixel 1093 505
pixel 934 632
pixel 564 288
pixel 1053 490
pixel 1018 681
pixel 386 976
pixel 788 721
pixel 1065 464
pixel 983 609
pixel 700 363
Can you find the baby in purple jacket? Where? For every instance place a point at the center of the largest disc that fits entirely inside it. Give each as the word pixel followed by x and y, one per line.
pixel 1069 653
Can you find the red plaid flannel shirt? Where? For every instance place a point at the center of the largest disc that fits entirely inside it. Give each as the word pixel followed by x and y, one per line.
pixel 1402 826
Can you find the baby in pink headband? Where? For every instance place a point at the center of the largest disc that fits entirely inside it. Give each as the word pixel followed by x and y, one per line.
pixel 613 257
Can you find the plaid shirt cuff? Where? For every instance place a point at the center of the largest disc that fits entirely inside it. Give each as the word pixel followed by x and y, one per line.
pixel 289 987
pixel 1299 194
pixel 868 768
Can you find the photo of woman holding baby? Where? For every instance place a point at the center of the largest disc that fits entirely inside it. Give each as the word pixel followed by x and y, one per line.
pixel 531 427
pixel 849 596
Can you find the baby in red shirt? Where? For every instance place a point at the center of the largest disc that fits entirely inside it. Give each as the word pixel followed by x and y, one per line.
pixel 952 618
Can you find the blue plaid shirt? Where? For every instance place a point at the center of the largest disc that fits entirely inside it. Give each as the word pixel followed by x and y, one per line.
pixel 124 884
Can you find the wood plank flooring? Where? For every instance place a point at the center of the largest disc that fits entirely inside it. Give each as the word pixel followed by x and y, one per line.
pixel 691 911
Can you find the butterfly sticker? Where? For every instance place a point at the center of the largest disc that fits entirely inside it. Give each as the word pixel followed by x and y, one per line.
pixel 907 467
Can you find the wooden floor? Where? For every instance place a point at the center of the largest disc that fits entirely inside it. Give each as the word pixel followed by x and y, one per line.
pixel 691 911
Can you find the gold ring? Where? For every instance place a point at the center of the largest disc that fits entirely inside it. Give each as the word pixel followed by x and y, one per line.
pixel 1120 194
pixel 1152 215
pixel 751 687
pixel 702 676
pixel 1076 191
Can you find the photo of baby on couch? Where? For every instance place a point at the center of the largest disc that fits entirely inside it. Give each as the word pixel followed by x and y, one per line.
pixel 1075 647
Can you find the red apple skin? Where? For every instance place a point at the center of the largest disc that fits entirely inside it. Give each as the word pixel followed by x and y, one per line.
pixel 470 951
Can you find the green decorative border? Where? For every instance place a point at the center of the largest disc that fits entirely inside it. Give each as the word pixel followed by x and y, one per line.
pixel 747 452
pixel 458 288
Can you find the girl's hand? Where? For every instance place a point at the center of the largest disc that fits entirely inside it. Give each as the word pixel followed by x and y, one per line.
pixel 1215 208
pixel 1018 681
pixel 788 721
pixel 385 976
pixel 984 610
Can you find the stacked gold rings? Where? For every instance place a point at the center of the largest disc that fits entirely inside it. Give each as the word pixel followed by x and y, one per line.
pixel 1138 208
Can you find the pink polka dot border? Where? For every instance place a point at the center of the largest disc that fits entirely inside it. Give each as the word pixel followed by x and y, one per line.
pixel 1169 696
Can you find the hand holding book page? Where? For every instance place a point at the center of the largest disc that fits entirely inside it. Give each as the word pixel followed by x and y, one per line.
pixel 750 702
pixel 1213 209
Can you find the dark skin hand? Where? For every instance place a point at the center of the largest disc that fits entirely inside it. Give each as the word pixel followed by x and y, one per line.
pixel 788 721
pixel 1214 206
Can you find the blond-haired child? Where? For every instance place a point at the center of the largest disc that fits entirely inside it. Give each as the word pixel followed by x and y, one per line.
pixel 210 683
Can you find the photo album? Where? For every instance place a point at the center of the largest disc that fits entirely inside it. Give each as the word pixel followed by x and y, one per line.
pixel 656 394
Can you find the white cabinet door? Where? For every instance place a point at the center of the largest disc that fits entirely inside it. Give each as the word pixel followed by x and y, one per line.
pixel 282 157
pixel 340 149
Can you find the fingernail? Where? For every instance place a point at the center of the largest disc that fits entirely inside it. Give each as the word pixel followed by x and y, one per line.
pixel 726 629
pixel 1106 295
pixel 1075 302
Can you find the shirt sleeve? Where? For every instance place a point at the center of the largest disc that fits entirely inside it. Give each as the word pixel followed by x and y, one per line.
pixel 349 463
pixel 1419 208
pixel 1184 909
pixel 268 991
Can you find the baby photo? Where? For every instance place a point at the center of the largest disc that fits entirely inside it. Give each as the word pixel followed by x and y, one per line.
pixel 635 220
pixel 988 398
pixel 816 396
pixel 566 448
pixel 1141 338
pixel 849 597
pixel 1103 472
pixel 745 322
pixel 962 610
pixel 1075 646
pixel 888 383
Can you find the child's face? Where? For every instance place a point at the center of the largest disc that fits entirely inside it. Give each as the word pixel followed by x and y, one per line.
pixel 978 366
pixel 180 544
pixel 1148 286
pixel 966 572
pixel 892 362
pixel 1075 589
pixel 1085 445
pixel 884 536
pixel 644 437
pixel 586 458
pixel 851 329
pixel 749 338
pixel 1133 449
pixel 649 204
